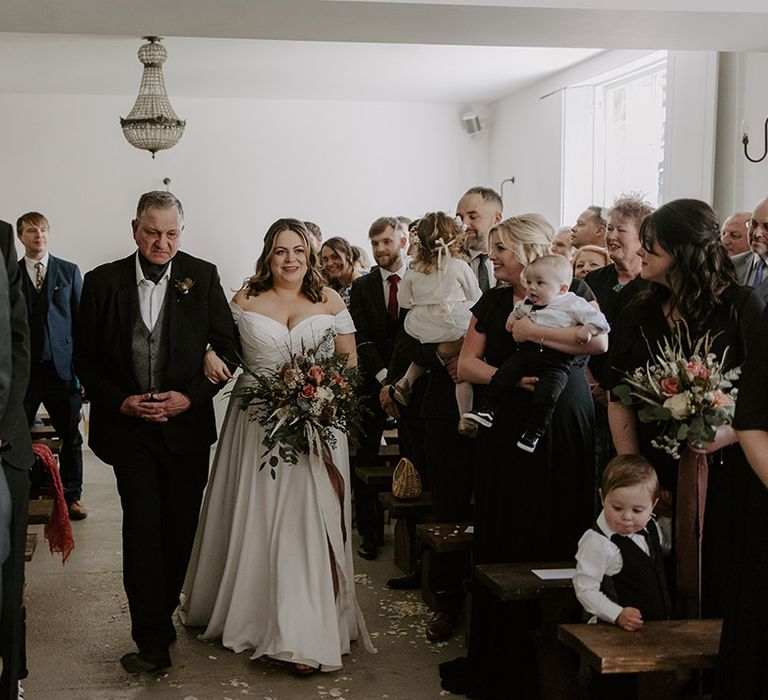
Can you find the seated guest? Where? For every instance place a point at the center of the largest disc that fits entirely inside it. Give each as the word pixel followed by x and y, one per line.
pixel 589 228
pixel 588 258
pixel 733 233
pixel 561 245
pixel 751 266
pixel 337 260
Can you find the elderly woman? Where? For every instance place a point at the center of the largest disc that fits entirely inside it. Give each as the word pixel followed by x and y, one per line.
pixel 530 506
pixel 691 291
pixel 338 262
pixel 743 662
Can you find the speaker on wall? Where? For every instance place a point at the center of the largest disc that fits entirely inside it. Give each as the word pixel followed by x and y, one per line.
pixel 471 123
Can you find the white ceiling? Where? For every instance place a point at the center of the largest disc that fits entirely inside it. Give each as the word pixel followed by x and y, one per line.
pixel 430 50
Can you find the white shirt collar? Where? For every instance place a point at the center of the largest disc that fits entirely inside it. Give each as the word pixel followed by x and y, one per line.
pixel 140 273
pixel 400 273
pixel 32 270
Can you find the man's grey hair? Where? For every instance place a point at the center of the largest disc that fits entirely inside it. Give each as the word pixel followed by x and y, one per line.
pixel 159 199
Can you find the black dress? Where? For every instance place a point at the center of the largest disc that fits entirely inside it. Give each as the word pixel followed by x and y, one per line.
pixel 529 507
pixel 742 670
pixel 634 338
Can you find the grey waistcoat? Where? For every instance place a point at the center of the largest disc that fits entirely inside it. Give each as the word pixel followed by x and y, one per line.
pixel 150 351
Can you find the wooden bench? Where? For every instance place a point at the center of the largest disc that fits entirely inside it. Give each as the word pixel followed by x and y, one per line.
pixel 40 511
pixel 664 652
pixel 516 583
pixel 43 431
pixel 31 546
pixel 440 540
pixel 408 512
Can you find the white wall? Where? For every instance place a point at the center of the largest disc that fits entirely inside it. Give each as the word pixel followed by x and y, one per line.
pixel 240 165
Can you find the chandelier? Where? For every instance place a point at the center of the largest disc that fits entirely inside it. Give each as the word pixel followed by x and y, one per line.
pixel 152 124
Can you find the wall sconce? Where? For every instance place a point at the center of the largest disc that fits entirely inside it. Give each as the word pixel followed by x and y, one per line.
pixel 745 141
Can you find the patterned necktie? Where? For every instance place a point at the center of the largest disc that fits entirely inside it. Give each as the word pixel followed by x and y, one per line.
pixel 482 273
pixel 758 274
pixel 39 278
pixel 392 308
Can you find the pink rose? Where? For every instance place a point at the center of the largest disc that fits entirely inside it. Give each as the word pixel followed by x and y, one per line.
pixel 308 391
pixel 696 368
pixel 315 374
pixel 670 386
pixel 720 399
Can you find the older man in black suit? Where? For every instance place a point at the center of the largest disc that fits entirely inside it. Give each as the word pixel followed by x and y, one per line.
pixel 145 324
pixel 751 267
pixel 378 319
pixel 16 456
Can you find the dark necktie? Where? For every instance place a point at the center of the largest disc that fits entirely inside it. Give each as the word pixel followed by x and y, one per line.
pixel 759 270
pixel 152 271
pixel 39 277
pixel 482 272
pixel 392 308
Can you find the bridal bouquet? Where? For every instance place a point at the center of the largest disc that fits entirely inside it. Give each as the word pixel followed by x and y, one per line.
pixel 307 396
pixel 689 395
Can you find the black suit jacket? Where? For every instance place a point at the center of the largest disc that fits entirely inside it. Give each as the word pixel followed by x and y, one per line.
pixel 14 428
pixel 64 285
pixel 5 337
pixel 744 264
pixel 104 364
pixel 374 331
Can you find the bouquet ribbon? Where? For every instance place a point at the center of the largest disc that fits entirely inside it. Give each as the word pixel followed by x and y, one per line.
pixel 331 496
pixel 692 476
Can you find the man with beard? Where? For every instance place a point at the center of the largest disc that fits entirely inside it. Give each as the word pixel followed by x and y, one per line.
pixel 378 319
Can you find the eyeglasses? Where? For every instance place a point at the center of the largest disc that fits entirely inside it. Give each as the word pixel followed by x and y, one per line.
pixel 752 225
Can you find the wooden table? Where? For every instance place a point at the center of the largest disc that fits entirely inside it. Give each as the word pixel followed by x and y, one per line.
pixel 514 584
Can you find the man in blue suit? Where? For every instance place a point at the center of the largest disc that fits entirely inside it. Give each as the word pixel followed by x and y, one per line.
pixel 52 289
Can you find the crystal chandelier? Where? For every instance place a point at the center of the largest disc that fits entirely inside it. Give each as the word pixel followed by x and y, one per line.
pixel 152 124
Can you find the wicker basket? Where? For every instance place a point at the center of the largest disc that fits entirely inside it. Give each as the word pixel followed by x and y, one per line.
pixel 406 482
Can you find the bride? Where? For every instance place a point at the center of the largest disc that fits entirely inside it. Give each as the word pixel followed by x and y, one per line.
pixel 271 568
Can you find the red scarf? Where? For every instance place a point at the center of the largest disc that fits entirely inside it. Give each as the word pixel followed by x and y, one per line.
pixel 58 530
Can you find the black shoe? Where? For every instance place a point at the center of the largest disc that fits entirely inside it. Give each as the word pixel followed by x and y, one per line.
pixel 483 416
pixel 137 663
pixel 528 442
pixel 440 628
pixel 368 549
pixel 405 583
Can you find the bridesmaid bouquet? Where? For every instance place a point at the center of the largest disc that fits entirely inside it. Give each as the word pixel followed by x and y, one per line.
pixel 689 395
pixel 306 397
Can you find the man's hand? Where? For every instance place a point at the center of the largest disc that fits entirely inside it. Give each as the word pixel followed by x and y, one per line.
pixel 630 619
pixel 390 406
pixel 140 406
pixel 172 403
pixel 156 407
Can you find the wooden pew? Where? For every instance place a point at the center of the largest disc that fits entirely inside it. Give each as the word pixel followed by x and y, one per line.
pixel 409 512
pixel 663 653
pixel 31 546
pixel 516 583
pixel 438 540
pixel 40 510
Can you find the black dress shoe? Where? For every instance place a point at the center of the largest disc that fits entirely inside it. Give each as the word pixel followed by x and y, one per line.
pixel 136 663
pixel 440 628
pixel 405 583
pixel 368 549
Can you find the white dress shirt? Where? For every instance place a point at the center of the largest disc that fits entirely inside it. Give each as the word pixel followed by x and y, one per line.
pixel 597 557
pixel 32 270
pixel 151 295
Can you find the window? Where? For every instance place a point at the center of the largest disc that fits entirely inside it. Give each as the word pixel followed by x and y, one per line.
pixel 613 140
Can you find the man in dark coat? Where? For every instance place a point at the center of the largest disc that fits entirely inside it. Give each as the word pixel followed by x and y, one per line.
pixel 145 324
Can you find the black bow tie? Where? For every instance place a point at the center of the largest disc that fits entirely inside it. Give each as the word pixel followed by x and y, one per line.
pixel 152 271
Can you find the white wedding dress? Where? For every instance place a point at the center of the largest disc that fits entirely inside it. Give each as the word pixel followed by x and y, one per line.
pixel 260 575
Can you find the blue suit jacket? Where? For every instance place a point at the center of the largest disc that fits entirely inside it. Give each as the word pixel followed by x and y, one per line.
pixel 64 284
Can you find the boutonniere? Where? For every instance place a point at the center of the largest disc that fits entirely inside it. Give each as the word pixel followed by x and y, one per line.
pixel 183 286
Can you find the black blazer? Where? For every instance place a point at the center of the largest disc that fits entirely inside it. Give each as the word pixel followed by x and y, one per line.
pixel 5 337
pixel 14 428
pixel 744 264
pixel 374 331
pixel 64 284
pixel 104 363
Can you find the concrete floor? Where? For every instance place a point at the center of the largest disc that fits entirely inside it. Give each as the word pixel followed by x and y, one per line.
pixel 78 628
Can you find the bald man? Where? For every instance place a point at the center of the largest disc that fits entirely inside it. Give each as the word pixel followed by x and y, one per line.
pixel 733 233
pixel 752 266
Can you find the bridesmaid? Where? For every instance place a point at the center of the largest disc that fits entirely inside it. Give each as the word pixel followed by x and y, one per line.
pixel 743 664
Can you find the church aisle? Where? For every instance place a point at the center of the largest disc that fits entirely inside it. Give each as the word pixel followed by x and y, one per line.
pixel 78 628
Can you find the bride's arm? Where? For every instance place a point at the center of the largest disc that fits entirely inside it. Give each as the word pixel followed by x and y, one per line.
pixel 345 343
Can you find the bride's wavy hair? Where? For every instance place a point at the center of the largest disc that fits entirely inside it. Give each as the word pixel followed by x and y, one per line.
pixel 261 280
pixel 688 230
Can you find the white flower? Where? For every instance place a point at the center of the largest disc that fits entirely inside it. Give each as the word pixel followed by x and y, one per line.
pixel 324 394
pixel 678 405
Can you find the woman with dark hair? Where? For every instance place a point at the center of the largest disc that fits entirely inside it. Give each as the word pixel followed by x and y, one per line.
pixel 742 670
pixel 338 263
pixel 692 291
pixel 529 506
pixel 271 570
